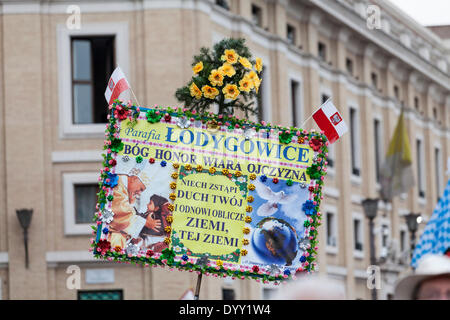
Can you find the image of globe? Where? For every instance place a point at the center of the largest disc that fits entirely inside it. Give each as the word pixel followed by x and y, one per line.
pixel 275 241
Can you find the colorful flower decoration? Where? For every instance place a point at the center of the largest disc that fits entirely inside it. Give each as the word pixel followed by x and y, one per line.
pixel 315 144
pixel 174 175
pixel 151 160
pixel 173 185
pixel 309 207
pixel 150 253
pixel 111 180
pixel 139 159
pixel 302 259
pixel 246 230
pixel 121 113
pixel 163 163
pixel 116 145
pixel 286 137
pixel 252 176
pixel 244 252
pixel 248 219
pixel 167 117
pixel 185 257
pixel 263 178
pixel 172 196
pixel 245 242
pixel 289 182
pixel 250 199
pixel 251 187
pixel 153 116
pixel 249 209
pixel 176 165
pixel 169 219
pixel 275 180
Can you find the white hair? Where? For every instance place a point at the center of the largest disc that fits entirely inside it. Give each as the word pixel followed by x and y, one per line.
pixel 311 287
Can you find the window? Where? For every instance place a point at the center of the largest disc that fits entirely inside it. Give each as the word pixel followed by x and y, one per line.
pixel 86 59
pixel 384 237
pixel 79 202
pixel 100 294
pixel 85 202
pixel 290 34
pixel 378 155
pixel 357 233
pixel 420 168
pixel 396 92
pixel 295 105
pixel 349 65
pixel 416 103
pixel 435 113
pixel 92 65
pixel 437 171
pixel 402 241
pixel 223 3
pixel 228 294
pixel 322 51
pixel 374 80
pixel 257 15
pixel 331 229
pixel 354 141
pixel 263 98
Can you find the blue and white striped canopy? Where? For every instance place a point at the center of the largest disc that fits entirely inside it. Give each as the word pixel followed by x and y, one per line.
pixel 436 235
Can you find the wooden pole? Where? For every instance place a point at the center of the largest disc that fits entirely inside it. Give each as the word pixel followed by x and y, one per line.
pixel 197 289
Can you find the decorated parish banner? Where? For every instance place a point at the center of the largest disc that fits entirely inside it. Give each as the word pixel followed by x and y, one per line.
pixel 209 193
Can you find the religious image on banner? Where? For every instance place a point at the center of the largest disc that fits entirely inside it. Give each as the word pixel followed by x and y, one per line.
pixel 140 205
pixel 277 223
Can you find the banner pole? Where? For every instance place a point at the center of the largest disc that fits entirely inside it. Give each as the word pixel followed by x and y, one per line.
pixel 197 288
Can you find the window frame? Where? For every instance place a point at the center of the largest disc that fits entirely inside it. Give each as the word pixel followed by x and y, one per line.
pixel 69 180
pixel 420 169
pixel 355 143
pixel 358 254
pixel 334 229
pixel 67 128
pixel 297 115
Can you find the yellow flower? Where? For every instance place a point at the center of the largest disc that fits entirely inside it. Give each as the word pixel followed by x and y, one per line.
pixel 212 170
pixel 258 64
pixel 166 240
pixel 170 207
pixel 244 252
pixel 249 209
pixel 176 165
pixel 251 187
pixel 188 167
pixel 199 167
pixel 169 219
pixel 245 242
pixel 230 91
pixel 246 230
pixel 248 219
pixel 227 69
pixel 198 67
pixel 252 76
pixel 249 199
pixel 225 172
pixel 209 92
pixel 257 83
pixel 175 175
pixel 252 176
pixel 219 263
pixel 238 173
pixel 195 91
pixel 216 77
pixel 173 185
pixel 168 229
pixel 245 62
pixel 230 56
pixel 246 84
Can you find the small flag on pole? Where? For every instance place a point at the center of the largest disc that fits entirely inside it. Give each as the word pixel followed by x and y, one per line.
pixel 116 85
pixel 396 176
pixel 330 121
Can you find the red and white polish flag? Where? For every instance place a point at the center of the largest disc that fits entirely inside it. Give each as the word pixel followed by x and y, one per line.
pixel 330 121
pixel 116 85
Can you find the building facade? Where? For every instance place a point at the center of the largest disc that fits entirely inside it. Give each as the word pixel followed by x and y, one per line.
pixel 55 59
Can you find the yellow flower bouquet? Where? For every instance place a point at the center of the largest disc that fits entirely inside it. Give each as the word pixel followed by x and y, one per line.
pixel 226 76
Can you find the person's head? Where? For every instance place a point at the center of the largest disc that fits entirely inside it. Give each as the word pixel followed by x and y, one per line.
pixel 431 280
pixel 312 287
pixel 135 188
pixel 434 288
pixel 155 203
